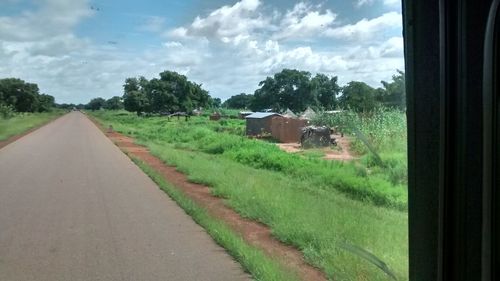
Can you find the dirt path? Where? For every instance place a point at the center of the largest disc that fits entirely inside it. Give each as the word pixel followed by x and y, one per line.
pixel 74 207
pixel 343 153
pixel 253 232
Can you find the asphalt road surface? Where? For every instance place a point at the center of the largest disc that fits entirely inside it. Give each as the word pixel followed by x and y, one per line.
pixel 74 207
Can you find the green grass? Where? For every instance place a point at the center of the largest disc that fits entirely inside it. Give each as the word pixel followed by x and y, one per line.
pixel 253 260
pixel 312 204
pixel 22 122
pixel 225 137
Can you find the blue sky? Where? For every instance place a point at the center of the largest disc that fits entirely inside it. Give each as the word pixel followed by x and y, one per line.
pixel 79 49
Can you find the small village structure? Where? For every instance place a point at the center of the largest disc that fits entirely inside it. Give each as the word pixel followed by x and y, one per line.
pixel 259 123
pixel 215 116
pixel 243 114
pixel 312 136
pixel 289 114
pixel 287 130
pixel 308 114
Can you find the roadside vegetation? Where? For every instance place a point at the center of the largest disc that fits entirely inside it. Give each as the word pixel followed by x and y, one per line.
pixel 22 107
pixel 253 260
pixel 315 205
pixel 19 123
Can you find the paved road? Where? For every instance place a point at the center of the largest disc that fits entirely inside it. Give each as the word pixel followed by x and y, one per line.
pixel 74 207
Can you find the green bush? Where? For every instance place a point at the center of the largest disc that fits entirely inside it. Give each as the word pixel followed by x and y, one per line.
pixel 6 111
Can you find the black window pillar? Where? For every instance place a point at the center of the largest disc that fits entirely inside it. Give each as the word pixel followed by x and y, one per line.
pixel 445 56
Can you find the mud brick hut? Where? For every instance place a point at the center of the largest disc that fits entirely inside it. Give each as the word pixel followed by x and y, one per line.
pixel 259 123
pixel 308 114
pixel 287 130
pixel 215 116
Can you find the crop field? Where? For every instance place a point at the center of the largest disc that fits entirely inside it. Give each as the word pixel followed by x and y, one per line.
pixel 316 205
pixel 21 122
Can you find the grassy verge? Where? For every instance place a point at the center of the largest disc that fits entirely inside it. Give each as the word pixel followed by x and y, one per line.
pixel 289 193
pixel 357 180
pixel 253 261
pixel 23 122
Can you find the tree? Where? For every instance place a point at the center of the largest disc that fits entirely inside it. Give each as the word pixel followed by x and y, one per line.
pixel 358 96
pixel 134 97
pixel 289 88
pixel 241 101
pixel 325 90
pixel 96 104
pixel 169 93
pixel 216 102
pixel 46 102
pixel 23 96
pixel 114 103
pixel 394 93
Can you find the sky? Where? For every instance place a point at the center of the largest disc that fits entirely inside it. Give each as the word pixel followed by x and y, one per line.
pixel 76 50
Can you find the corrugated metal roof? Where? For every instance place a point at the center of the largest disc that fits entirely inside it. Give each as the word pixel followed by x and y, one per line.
pixel 260 115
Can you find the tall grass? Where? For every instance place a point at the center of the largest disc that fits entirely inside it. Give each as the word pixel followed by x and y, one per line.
pixel 385 130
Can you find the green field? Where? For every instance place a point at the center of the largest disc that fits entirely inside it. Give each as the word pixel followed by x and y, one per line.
pixel 22 122
pixel 318 206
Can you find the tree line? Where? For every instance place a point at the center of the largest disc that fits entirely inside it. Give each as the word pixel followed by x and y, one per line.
pixel 296 90
pixel 171 92
pixel 289 89
pixel 17 95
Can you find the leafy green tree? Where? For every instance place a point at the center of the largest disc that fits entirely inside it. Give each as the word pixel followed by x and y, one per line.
pixel 326 90
pixel 114 103
pixel 216 102
pixel 239 101
pixel 134 97
pixel 394 93
pixel 358 96
pixel 46 102
pixel 169 93
pixel 23 96
pixel 96 104
pixel 289 88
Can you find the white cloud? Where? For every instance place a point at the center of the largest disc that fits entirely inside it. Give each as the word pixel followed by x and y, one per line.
pixel 367 28
pixel 53 17
pixel 303 21
pixel 392 2
pixel 225 22
pixel 360 3
pixel 172 44
pixel 229 50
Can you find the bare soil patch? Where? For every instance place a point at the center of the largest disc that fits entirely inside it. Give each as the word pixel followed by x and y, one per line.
pixel 255 233
pixel 343 153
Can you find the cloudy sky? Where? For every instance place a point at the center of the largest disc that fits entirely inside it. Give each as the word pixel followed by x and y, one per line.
pixel 79 49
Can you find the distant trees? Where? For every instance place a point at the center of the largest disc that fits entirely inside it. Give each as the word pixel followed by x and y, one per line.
pixel 170 93
pixel 358 96
pixel 113 103
pixel 394 93
pixel 215 102
pixel 21 96
pixel 95 104
pixel 325 90
pixel 298 90
pixel 239 101
pixel 289 88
